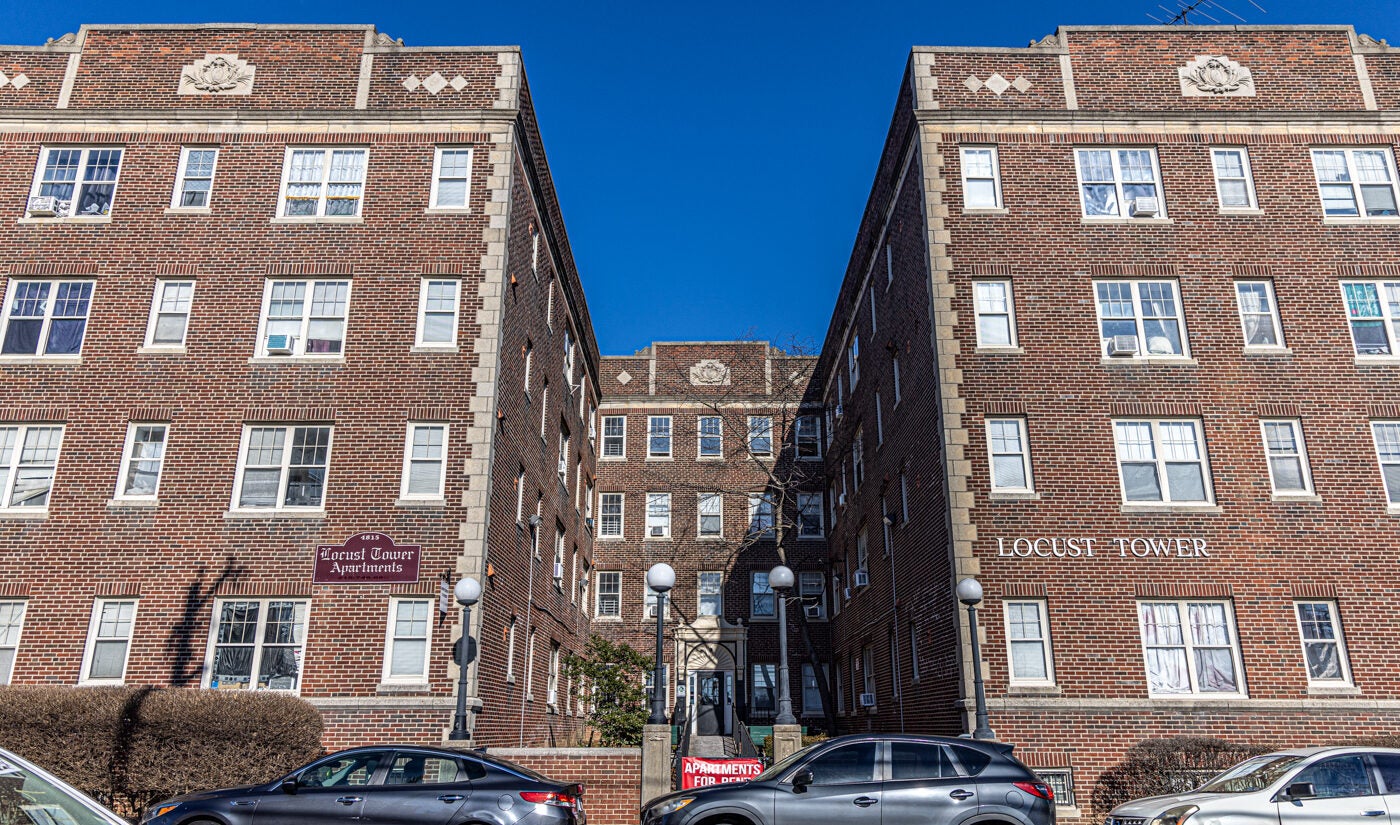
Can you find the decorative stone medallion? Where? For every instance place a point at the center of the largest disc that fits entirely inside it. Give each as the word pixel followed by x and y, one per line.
pixel 624 378
pixel 709 373
pixel 997 84
pixel 1215 76
pixel 217 74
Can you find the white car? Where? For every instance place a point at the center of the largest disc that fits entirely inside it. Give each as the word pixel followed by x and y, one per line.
pixel 1308 785
pixel 30 795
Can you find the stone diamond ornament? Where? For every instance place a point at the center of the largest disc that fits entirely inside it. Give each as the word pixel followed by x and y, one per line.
pixel 1021 84
pixel 434 83
pixel 412 83
pixel 459 83
pixel 624 378
pixel 19 81
pixel 972 83
pixel 998 84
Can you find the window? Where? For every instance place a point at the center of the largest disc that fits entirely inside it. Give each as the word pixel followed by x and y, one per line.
pixel 569 352
pixel 711 514
pixel 1355 182
pixel 1162 461
pixel 552 681
pixel 889 264
pixel 853 360
pixel 833 500
pixel 711 436
pixel 765 689
pixel 610 512
pixel 510 651
pixel 1340 777
pixel 867 659
pixel 81 183
pixel 761 435
pixel 421 769
pixel 530 666
pixel 1288 459
pixel 322 183
pixel 913 652
pixel 659 436
pixel 28 458
pixel 437 314
pixel 879 422
pixel 425 462
pixel 563 467
pixel 282 467
pixel 762 603
pixel 874 324
pixel 903 499
pixel 452 175
pixel 534 250
pixel 304 318
pixel 811 691
pixel 558 568
pixel 1010 455
pixel 1386 434
pixel 981 178
pixel 811 589
pixel 1120 183
pixel 258 644
pixel 851 764
pixel 410 628
pixel 549 307
pixel 609 594
pixel 588 501
pixel 649 602
pixel 857 459
pixel 711 589
pixel 862 550
pixel 108 641
pixel 1196 657
pixel 170 314
pixel 919 761
pixel 809 516
pixel 1259 314
pixel 195 179
pixel 1375 322
pixel 1234 184
pixel 141 461
pixel 886 528
pixel 46 317
pixel 894 367
pixel 11 623
pixel 809 436
pixel 894 663
pixel 1061 781
pixel 1323 648
pixel 1132 313
pixel 614 436
pixel 760 514
pixel 658 515
pixel 520 495
pixel 649 681
pixel 1028 639
pixel 583 580
pixel 544 407
pixel 996 318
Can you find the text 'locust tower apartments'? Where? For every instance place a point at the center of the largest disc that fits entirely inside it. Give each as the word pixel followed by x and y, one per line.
pixel 1120 337
pixel 291 335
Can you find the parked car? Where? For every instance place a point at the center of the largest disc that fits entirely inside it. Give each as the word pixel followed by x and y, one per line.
pixel 1309 785
pixel 884 779
pixel 31 794
pixel 388 785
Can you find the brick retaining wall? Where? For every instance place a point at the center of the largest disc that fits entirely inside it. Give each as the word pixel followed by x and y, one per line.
pixel 611 777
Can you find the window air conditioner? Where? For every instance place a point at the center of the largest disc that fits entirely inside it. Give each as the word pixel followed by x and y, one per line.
pixel 1122 346
pixel 558 570
pixel 658 531
pixel 553 698
pixel 589 521
pixel 840 410
pixel 867 700
pixel 1144 207
pixel 846 592
pixel 841 500
pixel 280 344
pixel 45 206
pixel 862 578
pixel 813 611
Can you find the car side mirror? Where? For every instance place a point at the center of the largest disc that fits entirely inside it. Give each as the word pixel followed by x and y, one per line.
pixel 1300 790
pixel 289 785
pixel 802 779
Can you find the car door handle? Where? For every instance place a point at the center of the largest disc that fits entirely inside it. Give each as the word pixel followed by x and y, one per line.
pixel 962 794
pixel 240 803
pixel 349 800
pixel 451 797
pixel 1373 813
pixel 865 801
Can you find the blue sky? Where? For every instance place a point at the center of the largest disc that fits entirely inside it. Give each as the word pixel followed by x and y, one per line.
pixel 712 159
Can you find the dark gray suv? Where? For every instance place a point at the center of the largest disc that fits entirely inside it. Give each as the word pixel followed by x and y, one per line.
pixel 884 779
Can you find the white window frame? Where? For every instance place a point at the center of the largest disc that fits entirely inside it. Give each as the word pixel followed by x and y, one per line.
pixel 766 590
pixel 804 508
pixel 1161 462
pixel 858 458
pixel 1338 639
pixel 1389 317
pixel 701 435
pixel 649 598
pixel 79 182
pixel 530 665
pixel 760 428
pixel 889 264
pixel 879 422
pixel 94 628
pixel 652 433
pixel 1043 640
pixel 324 184
pixel 894 365
pixel 1270 311
pixel 1064 795
pixel 307 299
pixel 874 322
pixel 811 591
pixel 619 438
pixel 391 639
pixel 1248 178
pixel 614 578
pixel 16 610
pixel 409 459
pixel 1354 183
pixel 569 347
pixel 1183 617
pixel 551 682
pixel 128 459
pixel 11 465
pixel 756 510
pixel 701 594
pixel 903 499
pixel 46 321
pixel 700 515
pixel 436 189
pixel 1301 454
pixel 603 516
pixel 995 178
pixel 808 673
pixel 1124 211
pixel 654 519
pixel 813 440
pixel 284 474
pixel 419 341
pixel 983 309
pixel 182 177
pixel 1392 496
pixel 993 453
pixel 1140 317
pixel 853 360
pixel 510 651
pixel 160 308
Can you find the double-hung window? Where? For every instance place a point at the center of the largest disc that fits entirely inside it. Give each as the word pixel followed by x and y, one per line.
pixel 1259 314
pixel 569 352
pixel 1009 454
pixel 650 598
pixel 809 436
pixel 75 182
pixel 437 313
pixel 765 689
pixel 996 315
pixel 1028 642
pixel 659 436
pixel 194 182
pixel 170 314
pixel 425 462
pixel 452 175
pixel 811 590
pixel 811 691
pixel 142 460
pixel 981 178
pixel 1120 183
pixel 761 434
pixel 1140 319
pixel 1373 312
pixel 1356 183
pixel 1162 461
pixel 1386 434
pixel 304 318
pixel 853 360
pixel 1234 185
pixel 711 510
pixel 658 515
pixel 108 642
pixel 609 595
pixel 28 458
pixel 11 623
pixel 257 644
pixel 1323 648
pixel 610 515
pixel 762 603
pixel 1288 458
pixel 809 516
pixel 563 467
pixel 710 587
pixel 408 640
pixel 282 467
pixel 711 436
pixel 1190 647
pixel 45 318
pixel 760 514
pixel 319 183
pixel 614 436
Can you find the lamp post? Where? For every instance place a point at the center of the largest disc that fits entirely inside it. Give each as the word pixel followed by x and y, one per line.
pixel 780 578
pixel 468 593
pixel 661 577
pixel 970 593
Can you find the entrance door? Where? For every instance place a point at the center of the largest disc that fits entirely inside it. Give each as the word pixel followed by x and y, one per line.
pixel 711 703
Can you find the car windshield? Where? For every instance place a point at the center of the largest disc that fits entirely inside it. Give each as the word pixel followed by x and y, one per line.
pixel 26 798
pixel 777 768
pixel 1252 774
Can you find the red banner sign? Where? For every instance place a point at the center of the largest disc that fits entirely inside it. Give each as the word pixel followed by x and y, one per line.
pixel 367 558
pixel 699 772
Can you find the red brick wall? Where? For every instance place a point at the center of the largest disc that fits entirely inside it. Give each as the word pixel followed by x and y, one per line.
pixel 610 777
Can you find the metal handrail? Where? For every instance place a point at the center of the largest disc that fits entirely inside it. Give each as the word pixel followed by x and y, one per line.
pixel 680 717
pixel 743 742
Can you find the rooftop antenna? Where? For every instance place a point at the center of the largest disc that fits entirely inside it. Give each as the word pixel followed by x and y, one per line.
pixel 1181 15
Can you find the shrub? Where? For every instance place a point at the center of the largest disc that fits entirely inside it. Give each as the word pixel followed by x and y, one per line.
pixel 1155 767
pixel 131 747
pixel 617 704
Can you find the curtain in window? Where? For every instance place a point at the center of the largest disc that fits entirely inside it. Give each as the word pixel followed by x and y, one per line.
pixel 1210 636
pixel 1165 646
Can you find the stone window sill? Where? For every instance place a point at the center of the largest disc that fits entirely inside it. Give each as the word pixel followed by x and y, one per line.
pixel 1150 361
pixel 70 220
pixel 607 619
pixel 438 350
pixel 188 210
pixel 1197 697
pixel 1265 351
pixel 160 350
pixel 325 219
pixel 1172 509
pixel 975 211
pixel 1243 213
pixel 448 210
pixel 401 688
pixel 21 515
pixel 1380 221
pixel 300 360
pixel 1297 498
pixel 1377 360
pixel 1000 351
pixel 1034 690
pixel 133 503
pixel 1334 690
pixel 1027 495
pixel 272 513
pixel 1393 509
pixel 1126 221
pixel 56 360
pixel 421 503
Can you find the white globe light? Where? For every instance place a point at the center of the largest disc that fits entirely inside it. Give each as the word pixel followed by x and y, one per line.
pixel 661 577
pixel 467 591
pixel 780 577
pixel 969 591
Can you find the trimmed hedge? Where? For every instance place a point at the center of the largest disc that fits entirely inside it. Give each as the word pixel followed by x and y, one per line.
pixel 130 747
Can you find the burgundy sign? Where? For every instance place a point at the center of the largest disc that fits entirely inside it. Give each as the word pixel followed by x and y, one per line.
pixel 367 558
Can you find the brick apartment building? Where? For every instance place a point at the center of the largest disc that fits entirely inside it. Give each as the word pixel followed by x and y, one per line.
pixel 1118 337
pixel 291 333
